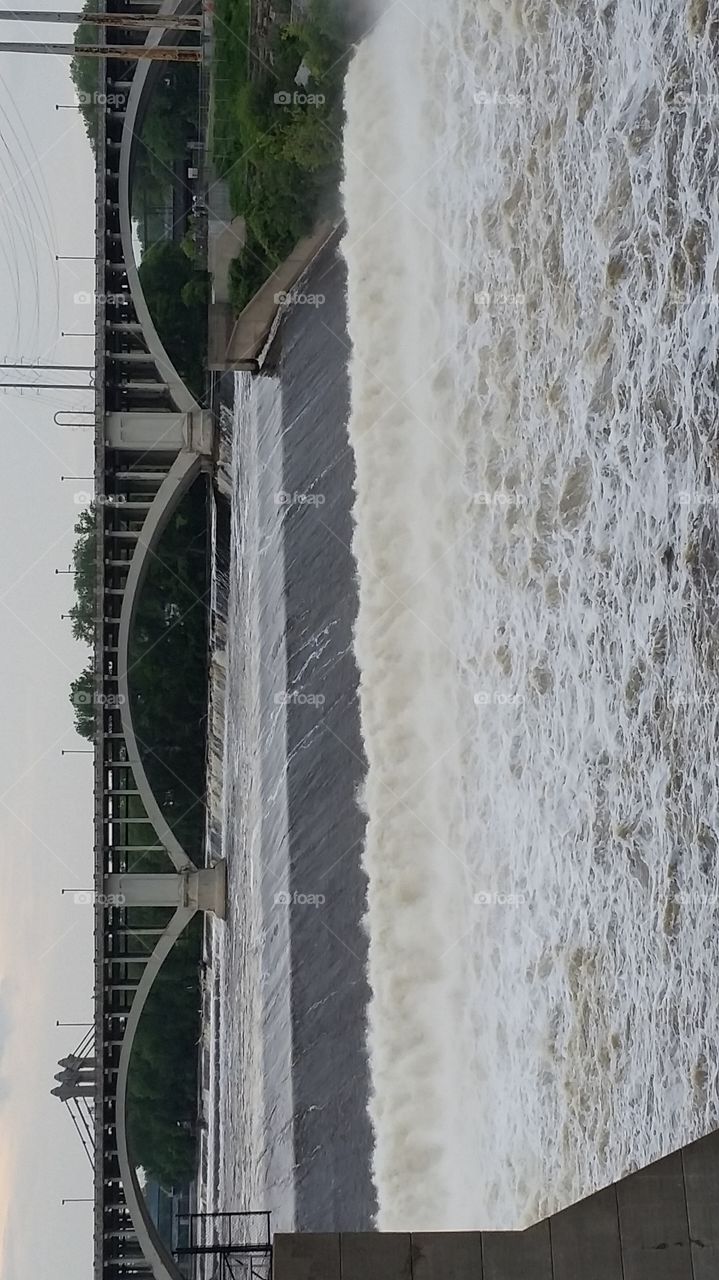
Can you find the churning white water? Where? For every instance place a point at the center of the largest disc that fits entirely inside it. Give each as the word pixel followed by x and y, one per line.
pixel 249 1141
pixel 533 255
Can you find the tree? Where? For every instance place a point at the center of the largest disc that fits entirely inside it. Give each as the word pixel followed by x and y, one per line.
pixel 84 557
pixel 182 325
pixel 85 74
pixel 82 697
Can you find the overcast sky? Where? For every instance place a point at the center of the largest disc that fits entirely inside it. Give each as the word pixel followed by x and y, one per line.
pixel 46 208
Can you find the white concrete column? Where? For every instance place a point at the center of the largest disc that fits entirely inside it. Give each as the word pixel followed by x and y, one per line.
pixel 203 889
pixel 146 430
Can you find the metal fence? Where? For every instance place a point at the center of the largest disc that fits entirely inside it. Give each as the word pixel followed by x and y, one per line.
pixel 227 1246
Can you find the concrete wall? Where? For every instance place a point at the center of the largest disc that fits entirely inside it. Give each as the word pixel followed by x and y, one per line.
pixel 661 1223
pixel 237 343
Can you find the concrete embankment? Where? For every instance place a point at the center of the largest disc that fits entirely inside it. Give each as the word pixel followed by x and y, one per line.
pixel 661 1223
pixel 238 342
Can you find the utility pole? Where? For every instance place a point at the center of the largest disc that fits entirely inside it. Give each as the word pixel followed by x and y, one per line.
pixel 128 22
pixel 122 52
pixel 69 368
pixel 46 386
pixel 125 21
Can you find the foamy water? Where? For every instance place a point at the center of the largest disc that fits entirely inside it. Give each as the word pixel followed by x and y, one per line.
pixel 249 1142
pixel 533 247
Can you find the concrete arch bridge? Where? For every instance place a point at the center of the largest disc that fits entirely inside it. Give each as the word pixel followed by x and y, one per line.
pixel 152 440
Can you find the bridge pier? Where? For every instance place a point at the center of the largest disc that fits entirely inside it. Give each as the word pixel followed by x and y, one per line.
pixel 201 889
pixel 162 431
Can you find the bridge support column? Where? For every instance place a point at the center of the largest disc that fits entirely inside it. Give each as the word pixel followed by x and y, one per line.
pixel 204 889
pixel 199 432
pixel 162 430
pixel 145 431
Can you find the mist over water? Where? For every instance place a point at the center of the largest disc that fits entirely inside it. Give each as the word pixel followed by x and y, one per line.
pixel 532 249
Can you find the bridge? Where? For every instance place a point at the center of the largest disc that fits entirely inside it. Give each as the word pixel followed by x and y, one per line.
pixel 152 440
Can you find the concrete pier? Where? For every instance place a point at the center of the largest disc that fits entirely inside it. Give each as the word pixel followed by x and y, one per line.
pixel 661 1223
pixel 237 343
pixel 203 889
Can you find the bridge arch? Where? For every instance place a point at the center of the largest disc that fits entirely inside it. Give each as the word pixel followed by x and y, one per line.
pixel 189 889
pixel 153 1248
pixel 143 82
pixel 186 467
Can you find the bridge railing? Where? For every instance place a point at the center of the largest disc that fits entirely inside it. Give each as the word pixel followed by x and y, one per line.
pixel 227 1246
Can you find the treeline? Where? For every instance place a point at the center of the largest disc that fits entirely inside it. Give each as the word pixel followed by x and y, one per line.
pixel 277 142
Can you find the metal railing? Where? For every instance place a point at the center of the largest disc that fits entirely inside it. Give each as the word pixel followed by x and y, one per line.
pixel 227 1246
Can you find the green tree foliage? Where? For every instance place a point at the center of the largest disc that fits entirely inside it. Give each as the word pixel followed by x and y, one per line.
pixel 84 558
pixel 162 1082
pixel 168 688
pixel 279 149
pixel 247 272
pixel 169 124
pixel 168 670
pixel 82 697
pixel 85 74
pixel 181 324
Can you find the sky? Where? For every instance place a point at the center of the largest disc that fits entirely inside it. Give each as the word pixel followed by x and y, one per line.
pixel 46 208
